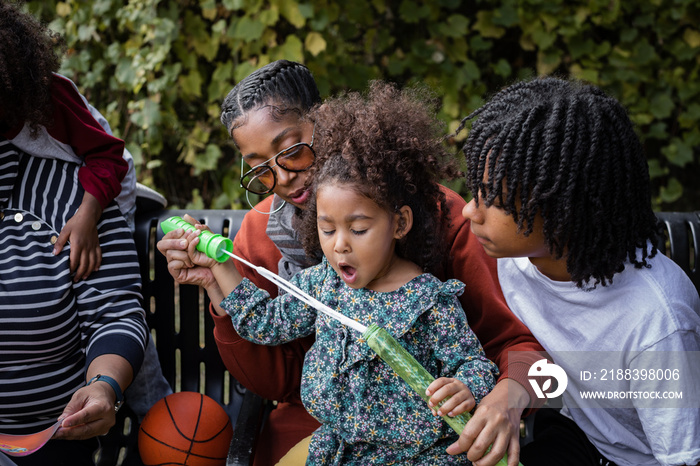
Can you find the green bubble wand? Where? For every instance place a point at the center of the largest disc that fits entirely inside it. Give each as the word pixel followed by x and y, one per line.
pixel 387 348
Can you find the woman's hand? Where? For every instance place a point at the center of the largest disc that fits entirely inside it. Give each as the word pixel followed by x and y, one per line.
pixel 189 266
pixel 495 423
pixel 174 246
pixel 89 413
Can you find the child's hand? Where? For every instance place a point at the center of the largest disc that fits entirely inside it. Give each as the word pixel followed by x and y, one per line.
pixel 81 231
pixel 461 401
pixel 197 257
pixel 226 276
pixel 192 238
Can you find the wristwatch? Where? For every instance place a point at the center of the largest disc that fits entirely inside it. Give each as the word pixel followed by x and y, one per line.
pixel 115 386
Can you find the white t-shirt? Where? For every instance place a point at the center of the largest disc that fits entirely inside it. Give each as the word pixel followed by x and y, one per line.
pixel 645 310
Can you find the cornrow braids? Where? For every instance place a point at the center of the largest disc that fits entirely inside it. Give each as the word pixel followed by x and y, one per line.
pixel 29 54
pixel 567 151
pixel 284 85
pixel 388 145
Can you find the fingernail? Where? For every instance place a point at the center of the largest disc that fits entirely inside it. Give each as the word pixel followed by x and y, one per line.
pixel 430 403
pixel 183 243
pixel 451 414
pixel 439 413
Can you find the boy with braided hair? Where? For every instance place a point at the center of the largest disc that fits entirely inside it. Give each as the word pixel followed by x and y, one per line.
pixel 562 200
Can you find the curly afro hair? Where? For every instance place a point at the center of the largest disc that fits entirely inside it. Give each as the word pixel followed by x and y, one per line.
pixel 567 151
pixel 388 145
pixel 29 54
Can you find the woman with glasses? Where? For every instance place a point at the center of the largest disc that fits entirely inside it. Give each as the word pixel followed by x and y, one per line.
pixel 264 114
pixel 261 179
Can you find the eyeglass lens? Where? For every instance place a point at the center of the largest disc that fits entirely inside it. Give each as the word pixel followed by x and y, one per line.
pixel 261 179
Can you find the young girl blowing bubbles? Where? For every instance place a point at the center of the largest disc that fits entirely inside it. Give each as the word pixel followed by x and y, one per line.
pixel 377 216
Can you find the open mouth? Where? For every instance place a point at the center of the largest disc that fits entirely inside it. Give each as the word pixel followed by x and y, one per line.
pixel 348 273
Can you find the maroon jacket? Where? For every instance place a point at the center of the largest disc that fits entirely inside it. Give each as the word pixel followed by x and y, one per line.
pixel 76 136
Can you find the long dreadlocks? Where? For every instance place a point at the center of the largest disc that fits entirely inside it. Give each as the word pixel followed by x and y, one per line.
pixel 568 152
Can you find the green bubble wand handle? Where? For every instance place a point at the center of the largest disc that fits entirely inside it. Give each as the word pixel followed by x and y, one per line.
pixel 381 342
pixel 411 371
pixel 406 366
pixel 213 245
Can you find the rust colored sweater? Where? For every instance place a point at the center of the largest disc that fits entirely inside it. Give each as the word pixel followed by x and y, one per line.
pixel 274 372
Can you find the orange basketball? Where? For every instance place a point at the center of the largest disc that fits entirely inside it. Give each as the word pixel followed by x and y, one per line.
pixel 185 428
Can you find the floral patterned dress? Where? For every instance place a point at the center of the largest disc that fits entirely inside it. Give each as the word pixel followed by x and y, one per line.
pixel 369 415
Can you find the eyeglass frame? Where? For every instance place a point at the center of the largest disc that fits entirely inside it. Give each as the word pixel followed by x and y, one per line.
pixel 270 167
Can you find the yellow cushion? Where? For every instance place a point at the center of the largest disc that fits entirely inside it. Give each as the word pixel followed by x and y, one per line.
pixel 297 455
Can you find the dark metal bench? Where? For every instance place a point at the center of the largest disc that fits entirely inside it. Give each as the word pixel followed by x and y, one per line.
pixel 183 332
pixel 682 242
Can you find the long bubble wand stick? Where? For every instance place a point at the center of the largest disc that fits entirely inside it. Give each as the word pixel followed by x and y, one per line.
pixel 302 295
pixel 404 364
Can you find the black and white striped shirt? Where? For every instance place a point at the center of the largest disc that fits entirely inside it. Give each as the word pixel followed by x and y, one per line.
pixel 51 328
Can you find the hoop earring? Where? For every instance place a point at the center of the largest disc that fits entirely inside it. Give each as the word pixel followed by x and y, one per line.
pixel 247 197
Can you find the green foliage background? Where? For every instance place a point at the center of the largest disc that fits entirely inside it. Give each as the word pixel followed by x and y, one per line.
pixel 159 70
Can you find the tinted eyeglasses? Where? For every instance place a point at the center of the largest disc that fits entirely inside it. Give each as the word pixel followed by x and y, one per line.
pixel 262 179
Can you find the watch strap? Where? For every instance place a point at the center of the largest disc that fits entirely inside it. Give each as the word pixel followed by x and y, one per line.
pixel 115 386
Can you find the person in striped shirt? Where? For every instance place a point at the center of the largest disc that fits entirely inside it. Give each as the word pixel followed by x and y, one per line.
pixel 67 314
pixel 56 334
